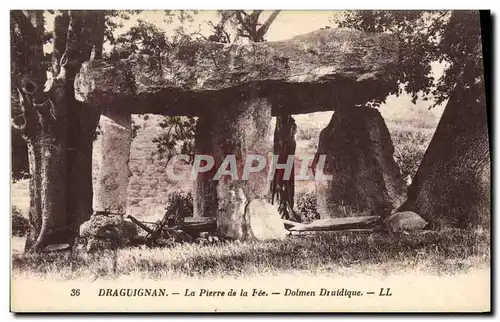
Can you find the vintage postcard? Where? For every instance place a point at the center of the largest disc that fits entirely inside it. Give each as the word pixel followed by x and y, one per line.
pixel 250 161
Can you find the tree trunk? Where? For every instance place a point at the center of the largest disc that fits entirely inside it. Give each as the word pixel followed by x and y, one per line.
pixel 284 145
pixel 452 185
pixel 204 187
pixel 82 124
pixel 35 194
pixel 45 136
pixel 54 227
pixel 85 32
pixel 58 131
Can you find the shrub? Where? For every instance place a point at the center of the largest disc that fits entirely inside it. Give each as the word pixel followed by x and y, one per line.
pixel 409 149
pixel 20 225
pixel 306 206
pixel 308 133
pixel 179 206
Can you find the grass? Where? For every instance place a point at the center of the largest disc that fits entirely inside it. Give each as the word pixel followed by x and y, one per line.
pixel 435 252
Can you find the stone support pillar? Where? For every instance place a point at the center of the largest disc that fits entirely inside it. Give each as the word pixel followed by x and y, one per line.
pixel 112 180
pixel 366 180
pixel 242 130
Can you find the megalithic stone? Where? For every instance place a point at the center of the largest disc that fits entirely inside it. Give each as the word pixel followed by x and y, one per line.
pixel 312 72
pixel 113 176
pixel 243 129
pixel 366 179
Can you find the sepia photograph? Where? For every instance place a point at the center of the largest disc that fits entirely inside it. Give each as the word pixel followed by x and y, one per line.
pixel 250 161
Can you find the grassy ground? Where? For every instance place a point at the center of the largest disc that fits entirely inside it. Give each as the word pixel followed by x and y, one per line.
pixel 438 253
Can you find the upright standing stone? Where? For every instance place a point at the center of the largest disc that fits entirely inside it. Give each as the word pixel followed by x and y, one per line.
pixel 204 187
pixel 114 173
pixel 243 129
pixel 359 156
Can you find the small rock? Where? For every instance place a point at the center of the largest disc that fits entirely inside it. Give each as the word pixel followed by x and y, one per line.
pixel 404 221
pixel 56 248
pixel 265 220
pixel 201 241
pixel 107 232
pixel 162 242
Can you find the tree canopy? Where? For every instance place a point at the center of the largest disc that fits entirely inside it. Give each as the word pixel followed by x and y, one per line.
pixel 452 38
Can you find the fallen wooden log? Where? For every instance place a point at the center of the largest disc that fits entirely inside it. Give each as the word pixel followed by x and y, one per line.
pixel 140 224
pixel 340 224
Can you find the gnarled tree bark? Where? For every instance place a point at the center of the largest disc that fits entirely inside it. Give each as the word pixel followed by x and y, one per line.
pixel 204 187
pixel 283 189
pixel 57 129
pixel 452 186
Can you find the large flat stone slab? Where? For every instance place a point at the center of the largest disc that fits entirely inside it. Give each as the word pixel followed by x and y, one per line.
pixel 307 73
pixel 363 222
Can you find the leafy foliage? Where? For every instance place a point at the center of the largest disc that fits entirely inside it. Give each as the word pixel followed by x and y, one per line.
pixel 426 37
pixel 114 19
pixel 144 38
pixel 409 150
pixel 20 225
pixel 19 154
pixel 306 206
pixel 179 205
pixel 178 138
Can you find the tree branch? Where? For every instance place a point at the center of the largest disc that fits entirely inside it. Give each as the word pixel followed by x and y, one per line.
pixel 265 27
pixel 73 46
pixel 20 128
pixel 87 36
pixel 244 23
pixel 24 23
pixel 240 17
pixel 24 105
pixel 61 24
pixel 99 34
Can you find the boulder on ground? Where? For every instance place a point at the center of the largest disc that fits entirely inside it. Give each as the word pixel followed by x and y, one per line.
pixel 264 220
pixel 107 232
pixel 404 221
